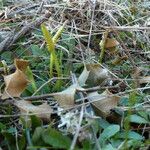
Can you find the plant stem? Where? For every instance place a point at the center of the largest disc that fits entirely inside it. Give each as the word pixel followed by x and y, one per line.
pixel 102 46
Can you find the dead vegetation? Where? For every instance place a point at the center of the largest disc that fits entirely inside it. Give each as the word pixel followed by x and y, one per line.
pixel 74 74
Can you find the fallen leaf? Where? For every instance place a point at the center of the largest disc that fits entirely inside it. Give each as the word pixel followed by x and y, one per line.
pixel 66 97
pixel 93 75
pixel 43 111
pixel 103 102
pixel 21 64
pixel 17 81
pixel 110 42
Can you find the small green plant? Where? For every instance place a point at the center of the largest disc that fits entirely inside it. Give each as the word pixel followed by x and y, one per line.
pixel 51 42
pixel 31 78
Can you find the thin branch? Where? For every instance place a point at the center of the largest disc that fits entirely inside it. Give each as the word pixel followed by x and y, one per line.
pixel 74 80
pixel 77 130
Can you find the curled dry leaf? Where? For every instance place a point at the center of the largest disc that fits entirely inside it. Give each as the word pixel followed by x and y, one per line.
pixel 137 76
pixel 43 111
pixel 93 74
pixel 66 97
pixel 21 64
pixel 110 42
pixel 17 81
pixel 103 102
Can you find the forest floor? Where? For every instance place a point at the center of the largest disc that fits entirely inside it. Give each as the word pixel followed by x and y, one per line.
pixel 75 74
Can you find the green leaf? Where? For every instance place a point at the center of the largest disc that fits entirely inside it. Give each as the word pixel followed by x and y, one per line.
pixel 143 114
pixel 36 121
pixel 11 130
pixel 10 140
pixel 108 147
pixel 137 119
pixel 124 101
pixel 22 142
pixel 36 50
pixel 56 139
pixel 131 135
pixel 134 144
pixel 7 56
pixel 87 145
pixel 37 137
pixel 103 123
pixel 31 78
pixel 2 126
pixel 108 133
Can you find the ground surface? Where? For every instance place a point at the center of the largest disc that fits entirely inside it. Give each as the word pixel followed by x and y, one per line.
pixel 75 74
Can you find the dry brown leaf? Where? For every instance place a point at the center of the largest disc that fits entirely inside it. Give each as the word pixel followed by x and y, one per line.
pixel 103 102
pixel 93 75
pixel 21 64
pixel 110 42
pixel 42 111
pixel 66 98
pixel 138 78
pixel 17 81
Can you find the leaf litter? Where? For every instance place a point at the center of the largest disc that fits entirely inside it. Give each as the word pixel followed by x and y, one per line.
pixel 17 81
pixel 84 110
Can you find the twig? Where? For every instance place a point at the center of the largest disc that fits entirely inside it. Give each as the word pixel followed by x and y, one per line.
pixel 77 130
pixel 9 41
pixel 31 98
pixel 74 80
pixel 126 28
pixel 40 8
pixel 97 88
pixel 91 26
